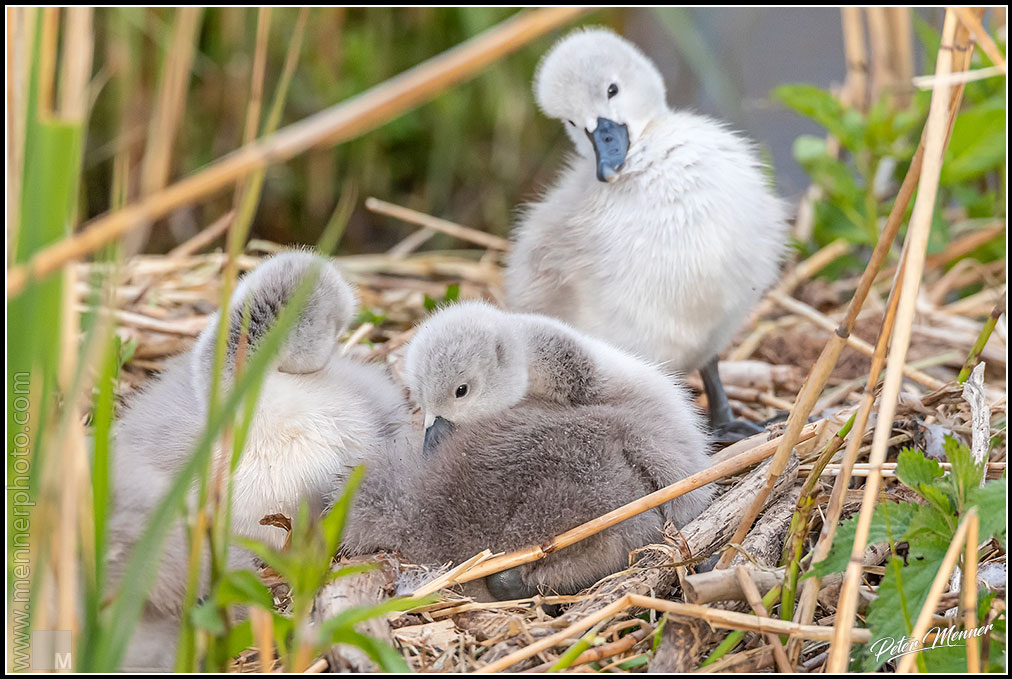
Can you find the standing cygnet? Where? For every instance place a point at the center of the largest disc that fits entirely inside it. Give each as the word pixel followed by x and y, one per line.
pixel 661 234
pixel 319 415
pixel 518 478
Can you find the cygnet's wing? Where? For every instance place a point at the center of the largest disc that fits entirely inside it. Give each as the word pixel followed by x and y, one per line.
pixel 515 480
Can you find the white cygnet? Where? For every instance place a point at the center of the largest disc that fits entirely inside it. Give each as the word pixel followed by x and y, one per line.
pixel 534 429
pixel 662 232
pixel 319 414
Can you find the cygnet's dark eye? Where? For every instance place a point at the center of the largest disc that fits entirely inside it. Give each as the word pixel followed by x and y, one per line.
pixel 612 90
pixel 462 391
pixel 571 123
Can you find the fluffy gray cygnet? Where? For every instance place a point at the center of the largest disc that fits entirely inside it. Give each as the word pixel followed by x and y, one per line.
pixel 319 415
pixel 661 233
pixel 538 429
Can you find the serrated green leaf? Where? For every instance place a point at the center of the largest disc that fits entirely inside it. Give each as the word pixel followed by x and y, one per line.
pixel 914 469
pixel 930 523
pixel 901 595
pixel 990 501
pixel 889 523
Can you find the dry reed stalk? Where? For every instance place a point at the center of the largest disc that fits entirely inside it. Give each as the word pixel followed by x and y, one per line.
pixel 968 593
pixel 823 368
pixel 927 615
pixel 319 665
pixel 452 576
pixel 465 233
pixel 920 225
pixel 855 88
pixel 167 116
pixel 204 237
pixel 801 309
pixel 755 601
pixel 972 23
pixel 714 616
pixel 334 125
pixel 902 52
pixel 256 97
pixel 882 76
pixel 263 636
pixel 47 60
pixel 634 508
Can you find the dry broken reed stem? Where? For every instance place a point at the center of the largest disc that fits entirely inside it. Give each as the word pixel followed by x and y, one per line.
pixel 714 616
pixel 755 600
pixel 627 511
pixel 941 581
pixel 823 368
pixel 917 238
pixel 485 240
pixel 972 23
pixel 339 123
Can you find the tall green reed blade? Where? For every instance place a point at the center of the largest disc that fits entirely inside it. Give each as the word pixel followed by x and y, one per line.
pixel 50 180
pixel 248 199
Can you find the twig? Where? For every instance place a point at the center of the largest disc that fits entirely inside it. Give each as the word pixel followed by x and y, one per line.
pixel 915 247
pixel 941 581
pixel 756 602
pixel 339 123
pixel 486 240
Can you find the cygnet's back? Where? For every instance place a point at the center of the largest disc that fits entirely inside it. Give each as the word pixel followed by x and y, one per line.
pixel 519 478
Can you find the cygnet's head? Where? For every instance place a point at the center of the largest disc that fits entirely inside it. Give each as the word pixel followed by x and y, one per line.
pixel 263 293
pixel 604 90
pixel 466 362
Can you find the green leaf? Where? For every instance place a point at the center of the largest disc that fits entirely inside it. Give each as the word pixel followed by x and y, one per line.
pixel 382 653
pixel 901 595
pixel 977 145
pixel 915 469
pixel 243 587
pixel 990 502
pixel 207 615
pixel 889 523
pixel 846 124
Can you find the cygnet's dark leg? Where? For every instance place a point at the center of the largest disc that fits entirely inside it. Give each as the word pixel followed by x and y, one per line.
pixel 725 428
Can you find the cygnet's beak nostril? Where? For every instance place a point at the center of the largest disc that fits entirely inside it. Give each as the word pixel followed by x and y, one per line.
pixel 611 144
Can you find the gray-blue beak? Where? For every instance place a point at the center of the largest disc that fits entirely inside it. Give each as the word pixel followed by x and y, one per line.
pixel 611 144
pixel 439 430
